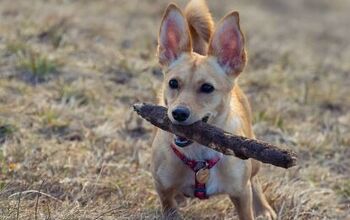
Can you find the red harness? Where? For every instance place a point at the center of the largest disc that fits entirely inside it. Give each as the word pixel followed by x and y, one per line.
pixel 200 190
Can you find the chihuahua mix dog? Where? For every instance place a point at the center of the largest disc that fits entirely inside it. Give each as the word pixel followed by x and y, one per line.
pixel 201 66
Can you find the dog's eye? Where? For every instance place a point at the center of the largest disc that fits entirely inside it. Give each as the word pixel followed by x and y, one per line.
pixel 174 84
pixel 207 88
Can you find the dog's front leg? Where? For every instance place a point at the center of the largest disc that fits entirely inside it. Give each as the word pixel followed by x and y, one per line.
pixel 244 203
pixel 168 202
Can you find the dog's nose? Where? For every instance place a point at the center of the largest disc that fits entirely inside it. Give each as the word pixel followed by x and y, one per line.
pixel 180 114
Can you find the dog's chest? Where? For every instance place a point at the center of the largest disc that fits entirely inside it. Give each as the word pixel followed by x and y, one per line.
pixel 214 184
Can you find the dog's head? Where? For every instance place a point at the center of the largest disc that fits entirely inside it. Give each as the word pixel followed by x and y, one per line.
pixel 199 87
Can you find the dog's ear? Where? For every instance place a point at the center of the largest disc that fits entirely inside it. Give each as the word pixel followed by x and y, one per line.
pixel 227 45
pixel 174 36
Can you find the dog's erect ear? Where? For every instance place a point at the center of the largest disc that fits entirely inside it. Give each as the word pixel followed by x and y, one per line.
pixel 174 36
pixel 227 45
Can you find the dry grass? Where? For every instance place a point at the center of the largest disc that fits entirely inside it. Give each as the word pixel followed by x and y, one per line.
pixel 71 147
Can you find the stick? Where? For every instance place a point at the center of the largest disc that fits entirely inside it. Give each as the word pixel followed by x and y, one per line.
pixel 217 139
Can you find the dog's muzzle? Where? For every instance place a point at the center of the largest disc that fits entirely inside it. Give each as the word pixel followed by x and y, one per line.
pixel 183 142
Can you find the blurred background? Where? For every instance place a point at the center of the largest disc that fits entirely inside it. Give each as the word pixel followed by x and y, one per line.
pixel 71 147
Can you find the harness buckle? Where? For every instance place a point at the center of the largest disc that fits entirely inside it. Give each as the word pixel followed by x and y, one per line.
pixel 200 165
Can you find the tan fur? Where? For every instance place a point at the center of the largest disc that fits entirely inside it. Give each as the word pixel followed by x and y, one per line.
pixel 201 25
pixel 229 110
pixel 241 60
pixel 185 45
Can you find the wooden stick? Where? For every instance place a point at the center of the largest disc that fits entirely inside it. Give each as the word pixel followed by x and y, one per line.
pixel 217 139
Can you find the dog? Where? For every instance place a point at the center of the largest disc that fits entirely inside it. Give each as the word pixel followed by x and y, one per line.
pixel 201 66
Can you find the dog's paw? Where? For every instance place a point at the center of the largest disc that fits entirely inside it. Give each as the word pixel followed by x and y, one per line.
pixel 268 214
pixel 181 200
pixel 171 214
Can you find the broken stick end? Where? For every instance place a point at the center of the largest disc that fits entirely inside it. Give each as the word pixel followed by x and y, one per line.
pixel 293 161
pixel 138 106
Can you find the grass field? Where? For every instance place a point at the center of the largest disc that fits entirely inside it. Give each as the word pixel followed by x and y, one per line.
pixel 71 147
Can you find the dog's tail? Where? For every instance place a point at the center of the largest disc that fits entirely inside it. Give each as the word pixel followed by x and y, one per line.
pixel 201 25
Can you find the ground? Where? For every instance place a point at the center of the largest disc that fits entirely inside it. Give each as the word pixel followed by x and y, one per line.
pixel 71 147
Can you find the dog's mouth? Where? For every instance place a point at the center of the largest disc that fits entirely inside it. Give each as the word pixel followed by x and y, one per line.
pixel 183 142
pixel 206 118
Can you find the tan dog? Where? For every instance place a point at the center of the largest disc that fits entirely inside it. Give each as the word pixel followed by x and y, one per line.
pixel 201 68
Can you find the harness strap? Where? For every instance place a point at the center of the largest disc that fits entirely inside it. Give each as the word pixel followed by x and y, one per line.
pixel 199 188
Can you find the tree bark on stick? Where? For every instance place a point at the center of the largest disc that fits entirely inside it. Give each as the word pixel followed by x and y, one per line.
pixel 217 139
